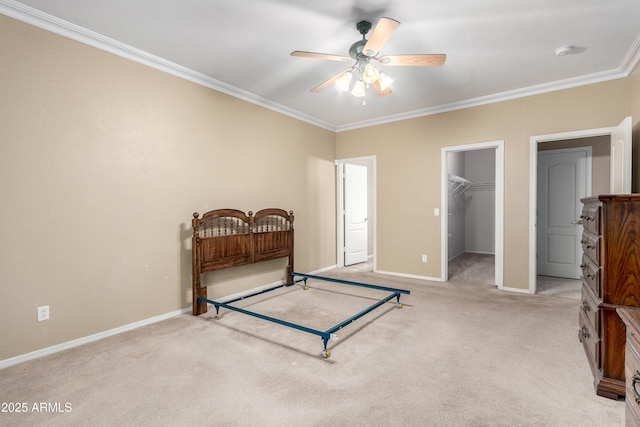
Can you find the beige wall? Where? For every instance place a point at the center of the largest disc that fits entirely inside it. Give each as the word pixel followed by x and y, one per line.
pixel 408 165
pixel 103 163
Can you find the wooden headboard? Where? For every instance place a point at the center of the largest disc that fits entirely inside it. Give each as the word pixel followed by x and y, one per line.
pixel 226 238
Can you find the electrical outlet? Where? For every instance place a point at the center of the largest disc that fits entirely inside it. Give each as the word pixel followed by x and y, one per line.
pixel 424 258
pixel 43 313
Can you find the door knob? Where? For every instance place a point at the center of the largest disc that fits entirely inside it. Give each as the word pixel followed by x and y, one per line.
pixel 578 222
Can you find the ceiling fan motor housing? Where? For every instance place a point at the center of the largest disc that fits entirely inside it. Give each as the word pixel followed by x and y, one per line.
pixel 355 51
pixel 363 27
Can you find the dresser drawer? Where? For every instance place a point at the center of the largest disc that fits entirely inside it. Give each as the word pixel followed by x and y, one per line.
pixel 591 219
pixel 589 306
pixel 591 246
pixel 611 274
pixel 591 275
pixel 632 374
pixel 590 340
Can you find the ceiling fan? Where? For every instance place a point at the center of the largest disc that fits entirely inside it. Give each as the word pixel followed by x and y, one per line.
pixel 362 73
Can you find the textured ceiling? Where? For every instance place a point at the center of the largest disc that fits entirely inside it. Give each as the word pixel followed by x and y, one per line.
pixel 496 49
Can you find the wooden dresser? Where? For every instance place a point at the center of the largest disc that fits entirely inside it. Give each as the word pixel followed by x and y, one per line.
pixel 631 318
pixel 610 280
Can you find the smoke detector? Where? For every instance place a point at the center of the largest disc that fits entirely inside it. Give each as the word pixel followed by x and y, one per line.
pixel 564 50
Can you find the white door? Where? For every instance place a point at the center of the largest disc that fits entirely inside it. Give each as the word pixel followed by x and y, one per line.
pixel 355 215
pixel 621 158
pixel 564 178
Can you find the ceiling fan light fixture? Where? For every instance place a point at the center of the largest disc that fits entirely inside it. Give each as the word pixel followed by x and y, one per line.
pixel 358 89
pixel 344 81
pixel 370 74
pixel 385 81
pixel 362 73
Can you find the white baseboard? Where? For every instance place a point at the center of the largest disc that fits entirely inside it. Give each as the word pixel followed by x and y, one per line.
pixel 90 338
pixel 456 256
pixel 437 279
pixel 331 267
pixel 410 276
pixel 242 294
pixel 516 290
pixel 100 335
pixel 480 252
pixel 263 287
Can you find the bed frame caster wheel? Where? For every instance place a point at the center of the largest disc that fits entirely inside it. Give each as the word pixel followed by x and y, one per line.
pixel 326 354
pixel 399 305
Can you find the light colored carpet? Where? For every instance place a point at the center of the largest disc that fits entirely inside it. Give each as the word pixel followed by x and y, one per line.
pixel 457 354
pixel 480 268
pixel 470 267
pixel 557 286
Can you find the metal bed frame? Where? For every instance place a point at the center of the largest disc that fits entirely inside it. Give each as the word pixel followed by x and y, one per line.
pixel 225 238
pixel 326 335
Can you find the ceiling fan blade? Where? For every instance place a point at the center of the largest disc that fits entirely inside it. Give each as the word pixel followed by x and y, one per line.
pixel 381 34
pixel 328 82
pixel 315 55
pixel 425 60
pixel 378 88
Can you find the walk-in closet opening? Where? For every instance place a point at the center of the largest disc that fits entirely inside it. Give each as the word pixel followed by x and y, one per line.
pixel 473 213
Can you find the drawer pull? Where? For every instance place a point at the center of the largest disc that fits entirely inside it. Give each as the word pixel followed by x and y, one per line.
pixel 585 306
pixel 584 333
pixel 590 247
pixel 634 380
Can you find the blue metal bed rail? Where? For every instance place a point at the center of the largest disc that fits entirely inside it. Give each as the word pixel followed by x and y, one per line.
pixel 346 282
pixel 327 335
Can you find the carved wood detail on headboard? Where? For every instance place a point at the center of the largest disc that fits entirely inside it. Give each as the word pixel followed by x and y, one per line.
pixel 225 238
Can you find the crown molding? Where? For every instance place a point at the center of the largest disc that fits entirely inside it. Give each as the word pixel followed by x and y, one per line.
pixel 491 99
pixel 628 64
pixel 58 26
pixel 632 58
pixel 75 32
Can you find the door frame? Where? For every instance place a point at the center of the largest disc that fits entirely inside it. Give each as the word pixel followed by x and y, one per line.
pixel 533 188
pixel 372 218
pixel 499 207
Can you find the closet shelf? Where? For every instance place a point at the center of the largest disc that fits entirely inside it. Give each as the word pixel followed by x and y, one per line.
pixel 482 186
pixel 458 184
